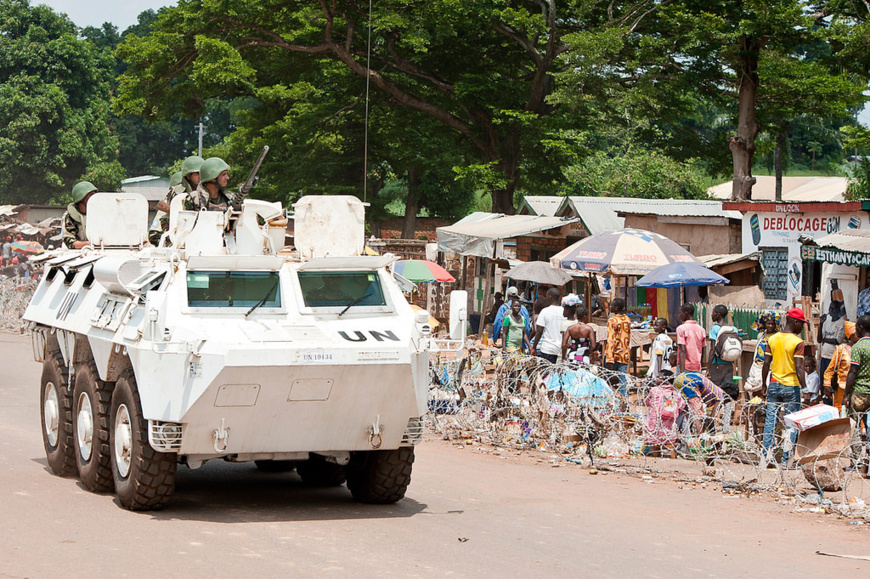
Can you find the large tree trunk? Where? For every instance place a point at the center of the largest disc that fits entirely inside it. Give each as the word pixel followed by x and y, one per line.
pixel 742 144
pixel 778 163
pixel 508 165
pixel 412 206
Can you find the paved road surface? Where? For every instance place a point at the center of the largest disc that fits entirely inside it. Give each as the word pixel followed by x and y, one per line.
pixel 520 519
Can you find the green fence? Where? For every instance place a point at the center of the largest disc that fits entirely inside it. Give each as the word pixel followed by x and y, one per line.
pixel 743 318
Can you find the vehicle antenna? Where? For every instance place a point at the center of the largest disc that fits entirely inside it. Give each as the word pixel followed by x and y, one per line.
pixel 368 80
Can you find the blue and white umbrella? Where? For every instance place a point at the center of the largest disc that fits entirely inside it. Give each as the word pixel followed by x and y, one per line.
pixel 681 274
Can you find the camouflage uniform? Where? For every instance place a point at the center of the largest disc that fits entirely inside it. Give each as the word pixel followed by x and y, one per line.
pixel 199 200
pixel 161 219
pixel 179 183
pixel 73 226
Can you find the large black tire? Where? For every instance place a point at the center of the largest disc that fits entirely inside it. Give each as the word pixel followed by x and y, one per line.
pixel 318 472
pixel 55 403
pixel 275 466
pixel 91 401
pixel 144 478
pixel 380 477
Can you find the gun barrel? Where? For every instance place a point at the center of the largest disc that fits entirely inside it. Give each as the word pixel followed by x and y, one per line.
pixel 249 182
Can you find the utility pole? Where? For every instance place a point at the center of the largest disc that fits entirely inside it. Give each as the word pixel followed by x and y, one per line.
pixel 200 138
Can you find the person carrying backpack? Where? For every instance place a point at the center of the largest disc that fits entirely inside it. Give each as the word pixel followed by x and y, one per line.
pixel 726 349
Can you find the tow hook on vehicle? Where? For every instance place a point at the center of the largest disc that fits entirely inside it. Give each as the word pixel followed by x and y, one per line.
pixel 221 438
pixel 375 433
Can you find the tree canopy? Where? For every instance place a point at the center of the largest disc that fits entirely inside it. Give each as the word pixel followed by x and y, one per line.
pixel 54 107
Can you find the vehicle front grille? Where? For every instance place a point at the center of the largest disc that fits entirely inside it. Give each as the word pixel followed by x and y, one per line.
pixel 164 436
pixel 413 432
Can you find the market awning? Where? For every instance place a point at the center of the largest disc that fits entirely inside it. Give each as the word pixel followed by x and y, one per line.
pixel 847 247
pixel 480 236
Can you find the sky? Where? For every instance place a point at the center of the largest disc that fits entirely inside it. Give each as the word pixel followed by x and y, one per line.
pixel 121 13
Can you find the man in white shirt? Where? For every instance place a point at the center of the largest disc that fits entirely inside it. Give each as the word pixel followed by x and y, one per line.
pixel 661 349
pixel 548 341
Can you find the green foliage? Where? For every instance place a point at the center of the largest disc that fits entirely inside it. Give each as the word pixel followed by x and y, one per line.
pixel 54 107
pixel 639 173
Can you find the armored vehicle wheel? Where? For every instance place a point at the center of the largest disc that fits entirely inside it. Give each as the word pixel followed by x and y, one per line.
pixel 276 465
pixel 144 478
pixel 91 400
pixel 318 472
pixel 380 476
pixel 55 399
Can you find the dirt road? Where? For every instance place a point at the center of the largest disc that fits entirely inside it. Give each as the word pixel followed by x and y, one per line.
pixel 467 514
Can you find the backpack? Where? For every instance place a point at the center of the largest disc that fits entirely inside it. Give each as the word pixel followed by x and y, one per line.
pixel 669 406
pixel 728 346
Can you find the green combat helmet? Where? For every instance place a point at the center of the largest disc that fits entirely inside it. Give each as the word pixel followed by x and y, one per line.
pixel 211 168
pixel 191 165
pixel 175 179
pixel 81 190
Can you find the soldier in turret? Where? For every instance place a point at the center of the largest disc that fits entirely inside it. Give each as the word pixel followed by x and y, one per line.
pixel 183 181
pixel 211 194
pixel 74 220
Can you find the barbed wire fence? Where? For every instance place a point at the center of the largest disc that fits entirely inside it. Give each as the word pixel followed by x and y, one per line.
pixel 574 413
pixel 14 297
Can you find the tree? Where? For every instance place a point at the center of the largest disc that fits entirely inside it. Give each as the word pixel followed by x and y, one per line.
pixel 54 107
pixel 153 147
pixel 482 70
pixel 751 59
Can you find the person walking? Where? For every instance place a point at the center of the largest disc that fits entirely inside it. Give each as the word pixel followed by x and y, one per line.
pixel 579 342
pixel 721 372
pixel 660 350
pixel 514 333
pixel 832 327
pixel 548 338
pixel 838 368
pixel 766 324
pixel 783 378
pixel 503 310
pixel 690 341
pixel 617 352
pixel 856 397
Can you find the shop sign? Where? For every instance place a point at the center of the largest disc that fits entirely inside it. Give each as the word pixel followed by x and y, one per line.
pixel 835 256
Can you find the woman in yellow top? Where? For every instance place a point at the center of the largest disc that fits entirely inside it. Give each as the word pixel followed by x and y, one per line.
pixel 839 365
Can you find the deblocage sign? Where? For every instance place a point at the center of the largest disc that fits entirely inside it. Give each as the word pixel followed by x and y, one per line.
pixel 783 228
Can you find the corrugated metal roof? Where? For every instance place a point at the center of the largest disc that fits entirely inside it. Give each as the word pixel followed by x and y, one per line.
pixel 857 240
pixel 476 217
pixel 479 237
pixel 602 213
pixel 541 204
pixel 712 261
pixel 793 189
pixel 680 208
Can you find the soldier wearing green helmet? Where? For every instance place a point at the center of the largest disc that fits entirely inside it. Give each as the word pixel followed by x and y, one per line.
pixel 211 193
pixel 75 218
pixel 175 179
pixel 183 181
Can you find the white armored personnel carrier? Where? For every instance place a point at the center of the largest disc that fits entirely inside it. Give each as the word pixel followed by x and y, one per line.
pixel 223 345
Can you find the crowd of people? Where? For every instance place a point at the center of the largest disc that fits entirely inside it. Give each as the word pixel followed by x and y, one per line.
pixel 685 387
pixel 15 265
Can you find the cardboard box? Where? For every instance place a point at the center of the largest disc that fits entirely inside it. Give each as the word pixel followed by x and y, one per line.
pixel 825 441
pixel 812 416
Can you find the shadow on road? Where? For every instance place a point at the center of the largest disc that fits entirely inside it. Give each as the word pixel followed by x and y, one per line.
pixel 221 492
